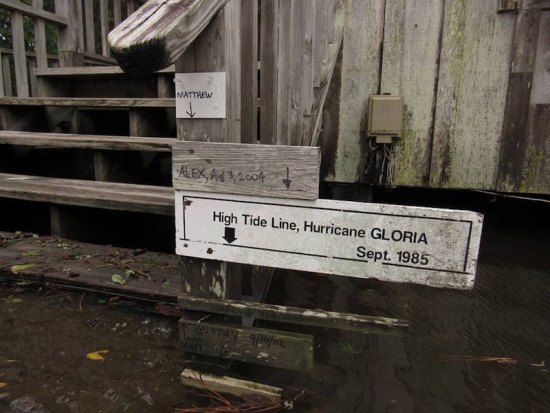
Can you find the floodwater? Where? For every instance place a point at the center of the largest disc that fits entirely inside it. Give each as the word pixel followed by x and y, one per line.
pixel 486 350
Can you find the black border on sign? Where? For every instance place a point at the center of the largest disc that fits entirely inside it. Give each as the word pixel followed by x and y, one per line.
pixel 340 210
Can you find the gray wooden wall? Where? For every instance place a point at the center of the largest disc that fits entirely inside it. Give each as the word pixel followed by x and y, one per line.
pixel 476 84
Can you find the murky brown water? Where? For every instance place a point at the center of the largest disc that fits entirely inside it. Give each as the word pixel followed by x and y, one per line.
pixel 44 342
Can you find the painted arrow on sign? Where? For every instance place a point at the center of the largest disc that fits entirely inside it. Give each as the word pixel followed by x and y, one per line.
pixel 190 111
pixel 229 235
pixel 287 181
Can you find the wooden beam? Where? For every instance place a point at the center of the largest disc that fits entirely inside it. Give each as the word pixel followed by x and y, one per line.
pixel 159 32
pixel 293 351
pixel 222 384
pixel 90 28
pixel 104 26
pixel 34 12
pixel 68 36
pixel 62 140
pixel 247 169
pixel 19 58
pixel 294 315
pixel 106 195
pixel 40 38
pixel 88 102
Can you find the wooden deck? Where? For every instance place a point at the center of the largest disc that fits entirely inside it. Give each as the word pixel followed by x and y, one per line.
pixel 82 266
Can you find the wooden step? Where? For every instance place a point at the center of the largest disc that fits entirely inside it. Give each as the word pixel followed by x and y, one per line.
pixel 65 140
pixel 106 195
pixel 85 72
pixel 89 102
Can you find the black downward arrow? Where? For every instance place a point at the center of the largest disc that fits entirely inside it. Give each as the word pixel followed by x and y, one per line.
pixel 287 181
pixel 229 235
pixel 190 111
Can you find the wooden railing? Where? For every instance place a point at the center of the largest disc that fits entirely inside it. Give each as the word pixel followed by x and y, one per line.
pixel 80 38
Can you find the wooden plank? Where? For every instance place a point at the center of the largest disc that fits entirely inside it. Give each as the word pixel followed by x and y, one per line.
pixel 89 102
pixel 249 71
pixel 19 58
pixel 117 12
pixel 104 26
pixel 526 168
pixel 157 276
pixel 318 41
pixel 68 37
pixel 62 140
pixel 31 65
pixel 514 132
pixel 353 239
pixel 244 389
pixel 86 72
pixel 293 351
pixel 130 6
pixel 360 78
pixel 31 11
pixel 263 170
pixel 6 75
pixel 106 195
pixel 90 28
pixel 295 104
pixel 159 32
pixel 208 54
pixel 2 91
pixel 40 38
pixel 269 44
pixel 283 72
pixel 476 53
pixel 536 4
pixel 294 315
pixel 412 32
pixel 540 94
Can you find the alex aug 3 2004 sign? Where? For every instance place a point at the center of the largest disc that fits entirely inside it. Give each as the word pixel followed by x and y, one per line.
pixel 435 247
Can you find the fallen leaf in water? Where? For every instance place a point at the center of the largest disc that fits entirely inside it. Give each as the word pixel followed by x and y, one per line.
pixel 12 299
pixel 117 278
pixel 16 269
pixel 32 253
pixel 97 355
pixel 2 385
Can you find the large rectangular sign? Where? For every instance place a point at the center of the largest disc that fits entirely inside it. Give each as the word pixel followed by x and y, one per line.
pixel 233 168
pixel 435 247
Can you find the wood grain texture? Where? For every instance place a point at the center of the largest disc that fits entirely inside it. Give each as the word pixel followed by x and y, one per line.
pixel 409 68
pixel 244 389
pixel 68 36
pixel 34 11
pixel 124 197
pixel 62 140
pixel 293 351
pixel 249 71
pixel 294 315
pixel 540 94
pixel 536 4
pixel 360 78
pixel 19 58
pixel 90 28
pixel 269 46
pixel 89 102
pixel 157 34
pixel 40 38
pixel 247 169
pixel 476 53
pixel 104 26
pixel 514 133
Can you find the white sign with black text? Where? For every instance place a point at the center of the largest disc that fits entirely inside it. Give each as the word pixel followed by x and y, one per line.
pixel 200 95
pixel 435 247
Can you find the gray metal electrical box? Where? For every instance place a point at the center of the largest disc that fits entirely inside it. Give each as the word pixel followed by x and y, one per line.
pixel 385 117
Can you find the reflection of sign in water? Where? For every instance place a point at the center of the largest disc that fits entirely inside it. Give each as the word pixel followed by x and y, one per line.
pixel 200 95
pixel 428 246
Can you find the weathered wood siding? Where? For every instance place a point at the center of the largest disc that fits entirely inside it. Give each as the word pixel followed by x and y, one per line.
pixel 476 84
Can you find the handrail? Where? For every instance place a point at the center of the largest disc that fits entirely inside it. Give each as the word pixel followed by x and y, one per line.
pixel 35 12
pixel 159 32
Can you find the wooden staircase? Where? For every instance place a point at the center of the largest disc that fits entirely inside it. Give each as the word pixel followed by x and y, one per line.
pixel 94 137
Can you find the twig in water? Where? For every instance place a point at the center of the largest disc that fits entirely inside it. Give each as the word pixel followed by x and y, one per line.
pixel 500 360
pixel 80 302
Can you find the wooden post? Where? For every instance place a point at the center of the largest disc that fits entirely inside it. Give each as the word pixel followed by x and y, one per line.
pixel 214 51
pixel 90 29
pixel 19 54
pixel 68 37
pixel 40 38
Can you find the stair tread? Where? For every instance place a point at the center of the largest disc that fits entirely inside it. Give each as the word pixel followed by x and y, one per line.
pixel 105 142
pixel 92 71
pixel 96 194
pixel 88 102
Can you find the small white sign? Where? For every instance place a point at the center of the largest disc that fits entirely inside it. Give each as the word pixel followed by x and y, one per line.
pixel 200 95
pixel 435 247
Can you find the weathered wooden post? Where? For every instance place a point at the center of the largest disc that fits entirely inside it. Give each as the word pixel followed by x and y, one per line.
pixel 69 39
